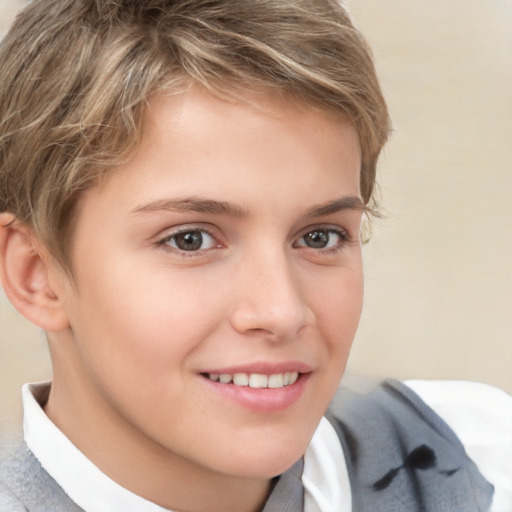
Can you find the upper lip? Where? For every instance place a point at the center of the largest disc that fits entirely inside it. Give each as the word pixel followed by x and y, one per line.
pixel 263 368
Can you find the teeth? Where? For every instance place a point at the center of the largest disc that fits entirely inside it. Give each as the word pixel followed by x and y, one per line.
pixel 256 380
pixel 241 379
pixel 276 381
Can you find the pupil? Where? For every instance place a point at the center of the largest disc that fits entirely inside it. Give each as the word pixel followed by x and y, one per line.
pixel 317 239
pixel 191 241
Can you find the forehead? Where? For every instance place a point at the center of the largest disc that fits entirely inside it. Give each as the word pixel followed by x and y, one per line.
pixel 245 126
pixel 256 108
pixel 194 143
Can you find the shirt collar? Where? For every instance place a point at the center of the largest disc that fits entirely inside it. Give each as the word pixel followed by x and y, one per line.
pixel 325 477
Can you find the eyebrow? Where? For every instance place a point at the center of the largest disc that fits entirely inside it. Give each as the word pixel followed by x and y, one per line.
pixel 200 205
pixel 194 204
pixel 337 205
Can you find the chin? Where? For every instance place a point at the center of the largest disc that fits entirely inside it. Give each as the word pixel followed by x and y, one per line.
pixel 266 461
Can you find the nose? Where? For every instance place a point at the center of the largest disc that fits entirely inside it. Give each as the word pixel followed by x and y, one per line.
pixel 268 301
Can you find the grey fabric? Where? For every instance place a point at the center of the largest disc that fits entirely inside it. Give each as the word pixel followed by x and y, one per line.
pixel 288 493
pixel 27 487
pixel 8 503
pixel 402 457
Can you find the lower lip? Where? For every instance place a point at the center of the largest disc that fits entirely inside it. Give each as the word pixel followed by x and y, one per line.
pixel 262 400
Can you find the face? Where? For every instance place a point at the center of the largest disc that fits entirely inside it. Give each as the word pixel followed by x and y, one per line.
pixel 219 282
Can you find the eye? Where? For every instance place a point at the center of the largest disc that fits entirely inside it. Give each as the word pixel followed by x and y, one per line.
pixel 323 238
pixel 190 240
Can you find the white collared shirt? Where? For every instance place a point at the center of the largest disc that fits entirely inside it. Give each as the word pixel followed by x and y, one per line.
pixel 479 414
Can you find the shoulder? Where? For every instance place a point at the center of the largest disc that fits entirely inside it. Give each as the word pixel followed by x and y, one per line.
pixel 8 503
pixel 11 466
pixel 469 409
pixel 473 410
pixel 481 417
pixel 26 486
pixel 400 452
pixel 458 401
pixel 383 404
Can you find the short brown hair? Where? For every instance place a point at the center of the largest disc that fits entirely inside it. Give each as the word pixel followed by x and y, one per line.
pixel 76 74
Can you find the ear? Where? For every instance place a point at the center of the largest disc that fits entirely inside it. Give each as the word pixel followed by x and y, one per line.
pixel 25 275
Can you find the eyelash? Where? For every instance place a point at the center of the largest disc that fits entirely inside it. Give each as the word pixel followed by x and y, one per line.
pixel 164 242
pixel 344 239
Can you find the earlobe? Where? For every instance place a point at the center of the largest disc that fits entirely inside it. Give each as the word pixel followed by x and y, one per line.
pixel 24 273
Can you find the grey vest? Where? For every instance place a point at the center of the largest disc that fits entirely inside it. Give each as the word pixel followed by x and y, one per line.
pixel 400 455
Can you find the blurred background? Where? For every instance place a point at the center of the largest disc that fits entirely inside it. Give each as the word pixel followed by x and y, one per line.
pixel 438 301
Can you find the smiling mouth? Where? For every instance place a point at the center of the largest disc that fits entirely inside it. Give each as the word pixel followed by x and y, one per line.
pixel 255 380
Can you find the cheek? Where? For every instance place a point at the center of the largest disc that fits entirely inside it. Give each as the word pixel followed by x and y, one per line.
pixel 137 345
pixel 338 314
pixel 338 308
pixel 142 328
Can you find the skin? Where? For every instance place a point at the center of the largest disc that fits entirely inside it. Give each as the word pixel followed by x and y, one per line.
pixel 143 318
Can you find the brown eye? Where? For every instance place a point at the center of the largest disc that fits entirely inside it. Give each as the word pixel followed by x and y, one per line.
pixel 194 240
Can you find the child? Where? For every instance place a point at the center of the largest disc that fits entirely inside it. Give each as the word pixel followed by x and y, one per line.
pixel 183 187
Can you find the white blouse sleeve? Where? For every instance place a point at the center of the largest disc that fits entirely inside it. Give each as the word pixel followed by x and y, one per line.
pixel 481 416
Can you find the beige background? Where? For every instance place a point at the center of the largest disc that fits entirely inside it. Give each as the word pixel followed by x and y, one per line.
pixel 438 269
